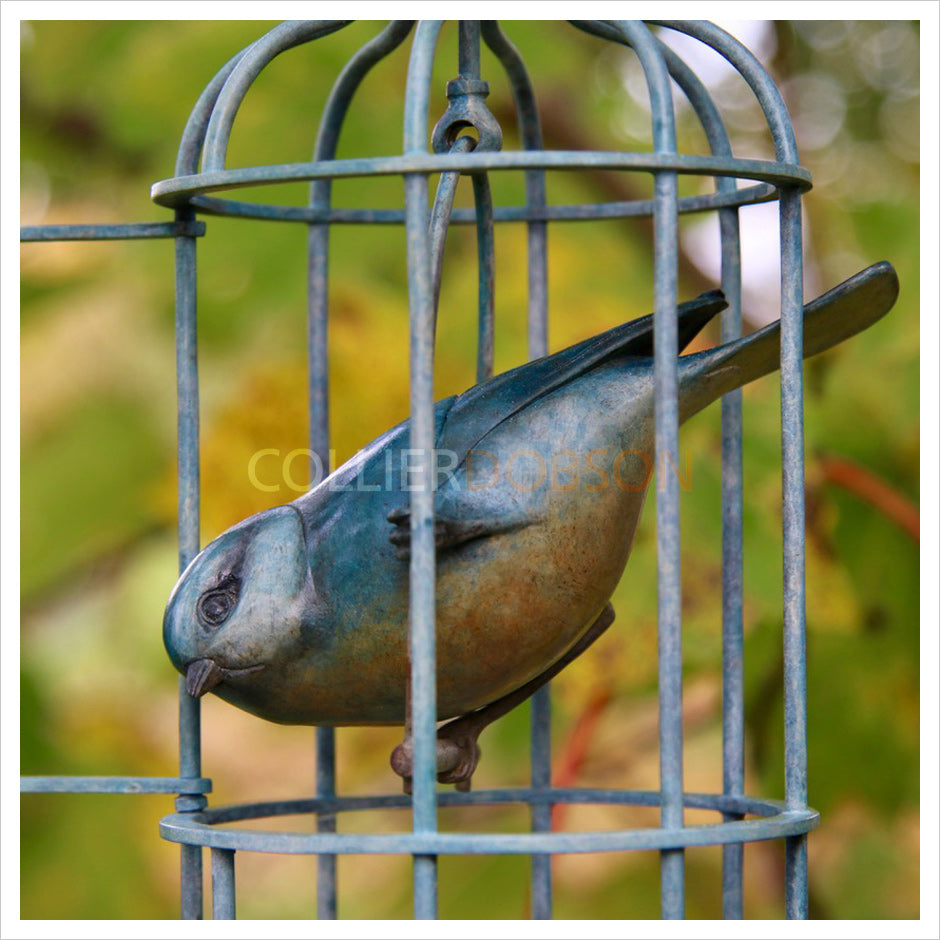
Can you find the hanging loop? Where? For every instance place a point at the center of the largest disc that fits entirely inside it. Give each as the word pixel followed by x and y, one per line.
pixel 467 109
pixel 440 218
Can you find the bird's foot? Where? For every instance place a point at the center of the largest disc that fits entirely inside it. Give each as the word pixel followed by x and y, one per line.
pixel 457 755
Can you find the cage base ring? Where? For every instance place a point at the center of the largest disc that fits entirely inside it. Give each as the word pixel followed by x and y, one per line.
pixel 774 820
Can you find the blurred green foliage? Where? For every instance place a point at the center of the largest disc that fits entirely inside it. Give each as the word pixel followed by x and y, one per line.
pixel 103 104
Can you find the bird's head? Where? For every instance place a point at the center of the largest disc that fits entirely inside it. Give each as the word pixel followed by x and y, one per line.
pixel 244 605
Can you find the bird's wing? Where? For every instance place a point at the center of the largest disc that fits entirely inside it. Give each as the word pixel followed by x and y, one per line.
pixel 475 412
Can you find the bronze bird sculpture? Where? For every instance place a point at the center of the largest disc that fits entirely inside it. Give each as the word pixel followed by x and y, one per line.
pixel 300 614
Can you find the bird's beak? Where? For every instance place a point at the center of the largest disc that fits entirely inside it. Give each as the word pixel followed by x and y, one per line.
pixel 201 676
pixel 204 675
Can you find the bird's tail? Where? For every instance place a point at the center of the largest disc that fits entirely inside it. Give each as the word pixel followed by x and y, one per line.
pixel 838 314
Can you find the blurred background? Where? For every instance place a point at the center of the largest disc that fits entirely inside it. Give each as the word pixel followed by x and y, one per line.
pixel 103 107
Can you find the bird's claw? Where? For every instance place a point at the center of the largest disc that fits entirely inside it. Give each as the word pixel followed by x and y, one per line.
pixel 401 537
pixel 457 757
pixel 448 533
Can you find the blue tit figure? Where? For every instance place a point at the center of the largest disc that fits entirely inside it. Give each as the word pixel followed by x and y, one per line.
pixel 300 613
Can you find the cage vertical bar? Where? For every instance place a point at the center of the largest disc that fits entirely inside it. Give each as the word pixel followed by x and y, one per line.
pixel 187 386
pixel 223 884
pixel 422 565
pixel 794 543
pixel 732 617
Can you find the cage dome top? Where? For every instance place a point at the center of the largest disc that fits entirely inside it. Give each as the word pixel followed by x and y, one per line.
pixel 209 128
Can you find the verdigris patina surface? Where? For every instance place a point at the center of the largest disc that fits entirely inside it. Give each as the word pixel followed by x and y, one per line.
pixel 300 613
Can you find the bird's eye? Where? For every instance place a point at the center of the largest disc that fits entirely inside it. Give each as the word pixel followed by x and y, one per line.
pixel 215 606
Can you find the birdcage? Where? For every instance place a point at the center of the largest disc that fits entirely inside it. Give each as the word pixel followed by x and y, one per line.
pixel 466 140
